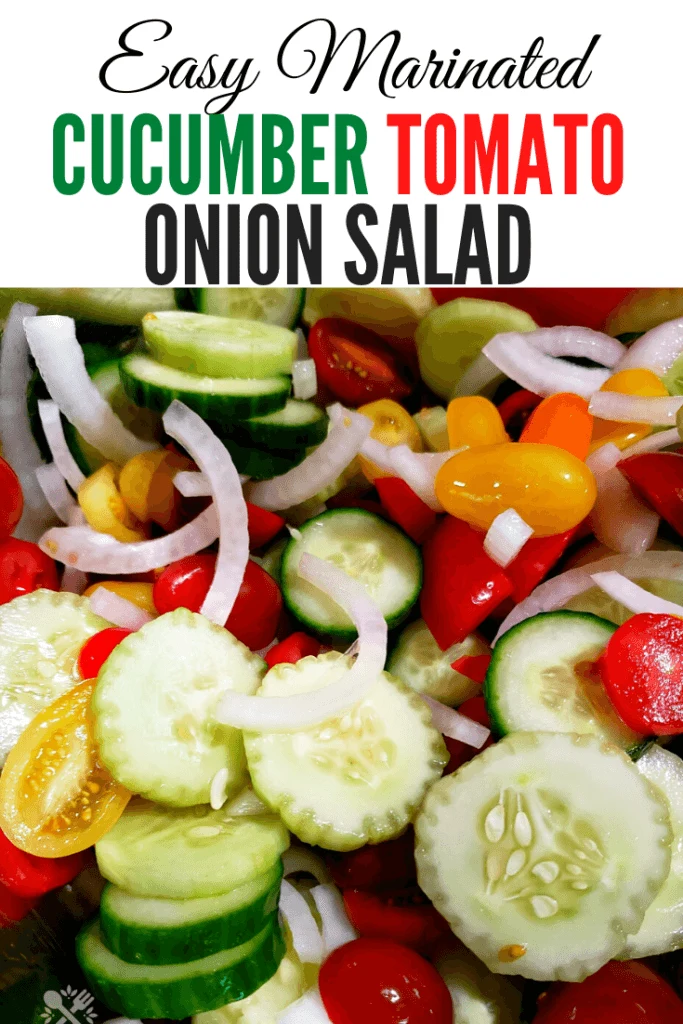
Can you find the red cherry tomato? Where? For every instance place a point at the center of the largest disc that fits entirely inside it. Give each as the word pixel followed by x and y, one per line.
pixel 23 569
pixel 474 708
pixel 13 908
pixel 619 993
pixel 97 649
pixel 355 363
pixel 381 981
pixel 263 525
pixel 658 477
pixel 516 409
pixel 293 649
pixel 387 865
pixel 254 617
pixel 28 876
pixel 587 307
pixel 642 671
pixel 11 500
pixel 404 915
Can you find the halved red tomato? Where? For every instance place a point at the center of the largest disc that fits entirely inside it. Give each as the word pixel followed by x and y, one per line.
pixel 56 797
pixel 355 363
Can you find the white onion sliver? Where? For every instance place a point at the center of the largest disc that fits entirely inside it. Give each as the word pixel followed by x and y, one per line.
pixel 555 593
pixel 306 937
pixel 633 597
pixel 619 518
pixel 455 725
pixel 85 549
pixel 337 929
pixel 301 345
pixel 301 859
pixel 309 1009
pixel 656 350
pixel 515 356
pixel 117 610
pixel 73 581
pixel 612 405
pixel 192 484
pixel 304 379
pixel 53 343
pixel 319 469
pixel 603 459
pixel 216 464
pixel 506 536
pixel 417 469
pixel 577 341
pixel 653 443
pixel 55 490
pixel 477 377
pixel 51 419
pixel 279 714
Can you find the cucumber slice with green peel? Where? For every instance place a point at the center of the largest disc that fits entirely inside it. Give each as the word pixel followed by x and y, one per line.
pixel 418 661
pixel 271 559
pixel 178 990
pixel 280 306
pixel 543 677
pixel 259 463
pixel 365 546
pixel 41 635
pixel 598 602
pixel 188 853
pixel 297 425
pixel 219 346
pixel 151 384
pixel 355 779
pixel 143 930
pixel 154 706
pixel 450 337
pixel 122 306
pixel 662 927
pixel 543 853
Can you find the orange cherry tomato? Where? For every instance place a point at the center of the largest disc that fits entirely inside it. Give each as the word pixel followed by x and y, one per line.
pixel 548 487
pixel 56 797
pixel 392 425
pixel 627 382
pixel 474 421
pixel 562 420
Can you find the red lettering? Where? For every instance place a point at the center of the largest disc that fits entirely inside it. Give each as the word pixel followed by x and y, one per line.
pixel 479 153
pixel 607 187
pixel 533 145
pixel 404 122
pixel 447 124
pixel 570 123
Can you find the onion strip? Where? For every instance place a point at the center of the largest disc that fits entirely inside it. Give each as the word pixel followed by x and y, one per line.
pixel 455 725
pixel 118 610
pixel 301 860
pixel 633 597
pixel 309 1009
pixel 653 443
pixel 337 929
pixel 658 411
pixel 56 492
pixel 577 341
pixel 306 938
pixel 51 419
pixel 656 350
pixel 516 357
pixel 506 536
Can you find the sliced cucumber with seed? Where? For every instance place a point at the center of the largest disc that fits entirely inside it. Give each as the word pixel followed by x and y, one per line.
pixel 355 779
pixel 41 635
pixel 544 853
pixel 543 677
pixel 419 662
pixel 271 305
pixel 190 853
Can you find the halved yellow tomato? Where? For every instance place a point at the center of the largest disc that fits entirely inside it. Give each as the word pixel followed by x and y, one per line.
pixel 392 425
pixel 56 797
pixel 105 509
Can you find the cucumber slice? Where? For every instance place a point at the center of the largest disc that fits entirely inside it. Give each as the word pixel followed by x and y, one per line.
pixel 219 346
pixel 644 309
pixel 543 678
pixel 154 704
pixel 297 425
pixel 544 853
pixel 433 426
pixel 189 853
pixel 368 548
pixel 271 559
pixel 154 386
pixel 451 337
pixel 41 635
pixel 178 990
pixel 479 997
pixel 391 312
pixel 597 602
pixel 355 779
pixel 662 927
pixel 280 306
pixel 259 463
pixel 142 930
pixel 104 305
pixel 420 663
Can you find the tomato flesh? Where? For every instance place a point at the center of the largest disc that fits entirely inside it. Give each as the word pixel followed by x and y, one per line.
pixel 11 500
pixel 460 753
pixel 293 649
pixel 29 877
pixel 23 569
pixel 386 865
pixel 404 915
pixel 355 363
pixel 381 981
pixel 97 649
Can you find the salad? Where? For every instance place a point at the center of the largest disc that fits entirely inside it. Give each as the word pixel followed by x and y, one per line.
pixel 341 647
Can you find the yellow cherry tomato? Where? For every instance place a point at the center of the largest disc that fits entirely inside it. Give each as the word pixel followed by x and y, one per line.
pixel 548 487
pixel 627 382
pixel 139 594
pixel 56 797
pixel 392 425
pixel 146 486
pixel 474 421
pixel 105 509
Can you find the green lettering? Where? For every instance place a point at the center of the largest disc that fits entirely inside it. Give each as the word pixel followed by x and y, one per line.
pixel 142 185
pixel 349 156
pixel 100 184
pixel 181 186
pixel 310 153
pixel 227 156
pixel 61 182
pixel 272 153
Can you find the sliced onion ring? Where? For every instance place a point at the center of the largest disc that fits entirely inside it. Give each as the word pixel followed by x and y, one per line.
pixel 603 459
pixel 653 443
pixel 304 379
pixel 301 860
pixel 51 419
pixel 619 518
pixel 53 344
pixel 612 405
pixel 577 341
pixel 337 929
pixel 309 1009
pixel 306 937
pixel 516 357
pixel 56 492
pixel 117 610
pixel 656 350
pixel 455 725
pixel 633 597
pixel 417 469
pixel 280 714
pixel 319 469
pixel 506 536
pixel 215 462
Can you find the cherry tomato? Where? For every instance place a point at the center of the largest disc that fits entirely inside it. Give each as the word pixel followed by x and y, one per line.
pixel 404 915
pixel 563 420
pixel 516 409
pixel 386 865
pixel 474 421
pixel 97 649
pixel 13 908
pixel 658 477
pixel 293 649
pixel 381 981
pixel 56 797
pixel 355 363
pixel 642 671
pixel 138 593
pixel 24 568
pixel 550 307
pixel 28 876
pixel 619 993
pixel 11 500
pixel 104 508
pixel 391 425
pixel 263 525
pixel 254 617
pixel 474 708
pixel 627 382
